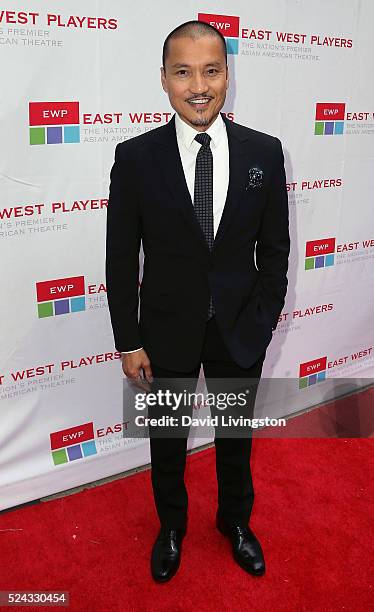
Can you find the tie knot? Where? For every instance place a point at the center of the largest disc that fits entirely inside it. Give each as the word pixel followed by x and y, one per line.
pixel 203 138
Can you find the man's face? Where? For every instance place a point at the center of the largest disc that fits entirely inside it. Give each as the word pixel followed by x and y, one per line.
pixel 196 79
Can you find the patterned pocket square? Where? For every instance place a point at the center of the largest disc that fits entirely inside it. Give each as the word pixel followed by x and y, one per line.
pixel 255 178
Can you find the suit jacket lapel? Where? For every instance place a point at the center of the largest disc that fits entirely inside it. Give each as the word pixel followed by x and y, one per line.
pixel 238 175
pixel 167 158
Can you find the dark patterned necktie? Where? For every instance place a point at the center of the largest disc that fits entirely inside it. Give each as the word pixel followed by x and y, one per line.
pixel 203 194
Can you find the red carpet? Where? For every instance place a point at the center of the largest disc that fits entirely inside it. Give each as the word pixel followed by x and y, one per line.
pixel 313 514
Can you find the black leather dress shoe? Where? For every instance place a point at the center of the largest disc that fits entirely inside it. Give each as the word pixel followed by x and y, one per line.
pixel 246 548
pixel 166 553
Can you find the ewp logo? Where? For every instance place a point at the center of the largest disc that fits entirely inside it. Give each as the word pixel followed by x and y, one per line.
pixel 319 253
pixel 312 372
pixel 60 296
pixel 73 443
pixel 329 118
pixel 227 25
pixel 54 122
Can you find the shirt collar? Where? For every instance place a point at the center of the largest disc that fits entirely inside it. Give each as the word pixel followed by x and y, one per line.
pixel 186 133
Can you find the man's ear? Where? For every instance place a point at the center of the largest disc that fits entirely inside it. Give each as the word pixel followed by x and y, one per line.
pixel 163 79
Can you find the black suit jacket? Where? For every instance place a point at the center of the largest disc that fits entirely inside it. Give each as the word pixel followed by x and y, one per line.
pixel 149 201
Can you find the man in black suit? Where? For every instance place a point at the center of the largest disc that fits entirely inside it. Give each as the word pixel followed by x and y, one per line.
pixel 207 198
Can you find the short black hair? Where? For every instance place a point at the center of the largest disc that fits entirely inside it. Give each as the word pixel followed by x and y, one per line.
pixel 193 29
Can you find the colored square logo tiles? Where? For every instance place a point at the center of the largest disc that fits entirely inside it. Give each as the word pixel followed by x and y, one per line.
pixel 78 304
pixel 312 372
pixel 319 253
pixel 319 128
pixel 60 296
pixel 61 307
pixel 339 127
pixel 74 452
pixel 73 444
pixel 54 134
pixel 89 448
pixel 329 128
pixel 329 260
pixel 45 309
pixel 323 261
pixel 232 46
pixel 59 456
pixel 71 133
pixel 37 135
pixel 54 123
pixel 329 119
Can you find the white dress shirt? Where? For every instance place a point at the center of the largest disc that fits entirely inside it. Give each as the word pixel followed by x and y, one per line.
pixel 188 150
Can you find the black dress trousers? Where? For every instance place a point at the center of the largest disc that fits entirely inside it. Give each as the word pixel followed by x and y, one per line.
pixel 168 452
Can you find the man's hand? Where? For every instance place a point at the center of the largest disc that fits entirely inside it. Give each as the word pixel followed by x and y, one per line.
pixel 137 367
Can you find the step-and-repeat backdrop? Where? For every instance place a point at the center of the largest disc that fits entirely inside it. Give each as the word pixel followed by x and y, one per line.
pixel 79 77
